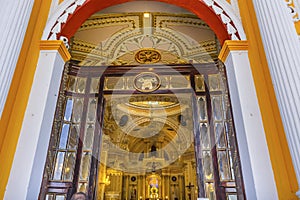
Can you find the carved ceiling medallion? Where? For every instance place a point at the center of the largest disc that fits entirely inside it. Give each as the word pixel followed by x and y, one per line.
pixel 147 56
pixel 147 82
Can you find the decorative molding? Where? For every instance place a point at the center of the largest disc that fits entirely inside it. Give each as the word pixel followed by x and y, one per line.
pixel 132 20
pixel 231 45
pixel 57 45
pixel 65 40
pixel 162 20
pixel 231 29
pixel 55 25
pixel 147 56
pixel 119 49
pixel 293 9
pixel 56 29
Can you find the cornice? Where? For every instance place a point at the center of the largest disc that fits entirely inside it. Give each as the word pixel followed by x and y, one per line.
pixel 232 45
pixel 57 45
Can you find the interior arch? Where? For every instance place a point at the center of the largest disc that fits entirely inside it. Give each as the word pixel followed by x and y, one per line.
pixel 67 22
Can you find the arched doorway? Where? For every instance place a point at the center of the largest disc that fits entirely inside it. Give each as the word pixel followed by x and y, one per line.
pixel 161 39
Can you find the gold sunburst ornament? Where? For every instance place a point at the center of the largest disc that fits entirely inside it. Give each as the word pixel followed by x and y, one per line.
pixel 147 56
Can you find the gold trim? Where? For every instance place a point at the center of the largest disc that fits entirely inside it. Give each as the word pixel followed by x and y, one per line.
pixel 232 45
pixel 147 56
pixel 142 88
pixel 56 45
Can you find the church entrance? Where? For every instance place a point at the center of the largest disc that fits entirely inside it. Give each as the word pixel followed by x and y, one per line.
pixel 143 111
pixel 144 132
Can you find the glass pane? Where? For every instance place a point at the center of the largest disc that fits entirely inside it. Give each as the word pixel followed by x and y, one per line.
pixel 94 85
pixel 207 165
pixel 232 197
pixel 223 165
pixel 68 110
pixel 179 82
pixel 217 107
pixel 92 110
pixel 71 84
pixel 220 135
pixel 231 166
pixel 49 197
pixel 85 166
pixel 89 137
pixel 73 137
pixel 214 82
pixel 164 82
pixel 199 83
pixel 58 166
pixel 114 83
pixel 80 85
pixel 204 134
pixel 130 83
pixel 77 110
pixel 210 191
pixel 69 167
pixel 202 108
pixel 60 197
pixel 64 136
pixel 82 187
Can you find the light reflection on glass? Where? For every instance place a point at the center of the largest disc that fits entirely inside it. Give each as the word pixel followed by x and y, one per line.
pixel 58 166
pixel 232 197
pixel 69 167
pixel 223 165
pixel 64 136
pixel 49 197
pixel 60 197
pixel 68 110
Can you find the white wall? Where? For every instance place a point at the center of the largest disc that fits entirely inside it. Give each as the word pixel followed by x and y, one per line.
pixel 29 161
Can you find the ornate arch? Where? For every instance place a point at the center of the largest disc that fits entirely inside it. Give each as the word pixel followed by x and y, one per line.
pixel 216 13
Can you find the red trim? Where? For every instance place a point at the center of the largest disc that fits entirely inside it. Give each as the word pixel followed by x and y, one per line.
pixel 196 6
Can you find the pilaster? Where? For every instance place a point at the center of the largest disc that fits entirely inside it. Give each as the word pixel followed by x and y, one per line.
pixel 282 49
pixel 44 93
pixel 255 160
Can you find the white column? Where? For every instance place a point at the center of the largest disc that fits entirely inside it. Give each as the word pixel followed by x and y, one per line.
pixel 13 23
pixel 255 160
pixel 29 160
pixel 282 48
